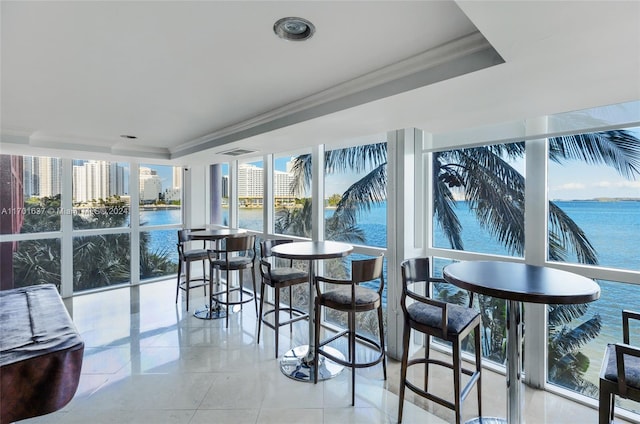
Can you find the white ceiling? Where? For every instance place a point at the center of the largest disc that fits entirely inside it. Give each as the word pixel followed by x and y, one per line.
pixel 193 79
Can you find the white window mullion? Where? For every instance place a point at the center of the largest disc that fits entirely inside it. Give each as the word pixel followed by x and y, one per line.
pixel 233 194
pixel 536 212
pixel 402 240
pixel 66 228
pixel 134 218
pixel 317 192
pixel 267 195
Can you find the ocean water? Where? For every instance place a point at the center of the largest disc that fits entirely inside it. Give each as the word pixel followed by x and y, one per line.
pixel 612 227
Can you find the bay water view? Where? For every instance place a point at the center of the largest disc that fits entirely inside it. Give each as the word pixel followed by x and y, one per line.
pixel 613 227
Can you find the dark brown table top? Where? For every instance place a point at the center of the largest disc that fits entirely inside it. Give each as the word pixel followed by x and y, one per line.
pixel 215 234
pixel 309 250
pixel 522 282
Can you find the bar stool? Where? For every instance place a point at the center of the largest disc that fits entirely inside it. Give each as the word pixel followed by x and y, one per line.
pixel 185 258
pixel 352 298
pixel 449 322
pixel 237 254
pixel 279 277
pixel 620 372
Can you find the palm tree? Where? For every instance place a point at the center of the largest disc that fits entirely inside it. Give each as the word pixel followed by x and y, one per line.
pixel 495 194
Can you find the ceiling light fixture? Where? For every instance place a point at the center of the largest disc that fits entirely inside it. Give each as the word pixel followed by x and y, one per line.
pixel 295 29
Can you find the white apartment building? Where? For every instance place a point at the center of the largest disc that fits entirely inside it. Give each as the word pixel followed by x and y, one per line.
pixel 150 185
pixel 95 180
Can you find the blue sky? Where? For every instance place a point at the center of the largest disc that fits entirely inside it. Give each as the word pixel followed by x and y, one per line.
pixel 570 181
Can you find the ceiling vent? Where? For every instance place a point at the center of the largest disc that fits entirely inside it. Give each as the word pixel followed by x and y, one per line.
pixel 237 152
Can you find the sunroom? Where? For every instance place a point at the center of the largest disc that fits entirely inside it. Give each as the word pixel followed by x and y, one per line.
pixel 457 131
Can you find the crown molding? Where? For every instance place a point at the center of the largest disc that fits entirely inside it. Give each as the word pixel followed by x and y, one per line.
pixel 466 54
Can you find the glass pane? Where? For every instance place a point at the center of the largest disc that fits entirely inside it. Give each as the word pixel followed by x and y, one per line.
pixel 160 195
pixel 100 196
pixel 292 195
pixel 101 261
pixel 602 202
pixel 250 195
pixel 478 199
pixel 31 262
pixel 29 194
pixel 579 336
pixel 355 186
pixel 158 253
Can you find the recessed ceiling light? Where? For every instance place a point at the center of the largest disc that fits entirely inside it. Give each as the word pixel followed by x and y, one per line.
pixel 296 29
pixel 128 136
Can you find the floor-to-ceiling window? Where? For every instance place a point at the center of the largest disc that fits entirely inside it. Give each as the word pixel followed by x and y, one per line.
pixel 31 211
pixel 70 222
pixel 160 205
pixel 478 207
pixel 593 183
pixel 588 185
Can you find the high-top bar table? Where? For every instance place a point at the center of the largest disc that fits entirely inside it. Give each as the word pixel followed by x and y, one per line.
pixel 298 362
pixel 517 283
pixel 212 311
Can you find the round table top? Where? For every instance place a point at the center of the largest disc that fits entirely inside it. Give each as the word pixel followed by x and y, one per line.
pixel 215 234
pixel 522 282
pixel 312 250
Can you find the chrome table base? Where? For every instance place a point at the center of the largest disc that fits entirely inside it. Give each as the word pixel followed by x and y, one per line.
pixel 295 364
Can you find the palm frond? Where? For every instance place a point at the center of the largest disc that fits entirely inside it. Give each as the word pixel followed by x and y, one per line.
pixel 564 314
pixel 369 190
pixel 619 149
pixel 567 234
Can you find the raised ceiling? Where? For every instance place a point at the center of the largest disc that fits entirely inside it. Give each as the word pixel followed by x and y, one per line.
pixel 193 79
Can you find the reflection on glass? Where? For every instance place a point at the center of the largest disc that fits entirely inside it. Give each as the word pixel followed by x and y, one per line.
pixel 100 261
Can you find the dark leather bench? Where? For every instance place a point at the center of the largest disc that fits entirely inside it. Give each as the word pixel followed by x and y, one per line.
pixel 40 353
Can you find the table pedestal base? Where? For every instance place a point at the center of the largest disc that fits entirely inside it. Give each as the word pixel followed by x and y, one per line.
pixel 216 312
pixel 486 420
pixel 294 364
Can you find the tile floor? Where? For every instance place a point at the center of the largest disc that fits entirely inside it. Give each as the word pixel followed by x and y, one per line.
pixel 149 361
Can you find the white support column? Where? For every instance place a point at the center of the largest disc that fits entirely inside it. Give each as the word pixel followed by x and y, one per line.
pixel 317 192
pixel 233 194
pixel 66 228
pixel 536 212
pixel 196 196
pixel 268 195
pixel 134 218
pixel 402 239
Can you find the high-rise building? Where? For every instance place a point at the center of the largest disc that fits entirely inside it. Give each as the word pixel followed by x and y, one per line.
pixel 150 185
pixel 250 181
pixel 116 180
pixel 49 176
pixel 31 177
pixel 177 177
pixel 93 181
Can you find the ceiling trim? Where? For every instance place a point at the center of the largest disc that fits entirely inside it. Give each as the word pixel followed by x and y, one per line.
pixel 458 57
